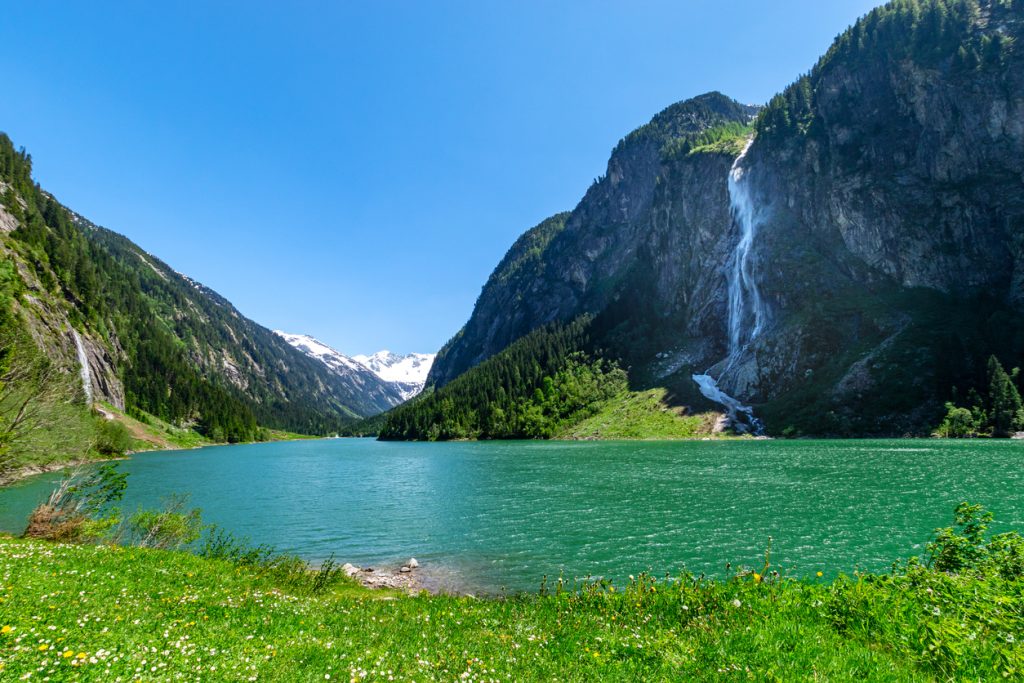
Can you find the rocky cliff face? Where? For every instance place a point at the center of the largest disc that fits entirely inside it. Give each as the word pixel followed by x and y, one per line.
pixel 886 193
pixel 48 323
pixel 895 193
pixel 656 215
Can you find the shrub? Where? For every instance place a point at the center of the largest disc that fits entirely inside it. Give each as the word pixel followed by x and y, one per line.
pixel 112 437
pixel 80 508
pixel 281 568
pixel 959 423
pixel 963 546
pixel 171 528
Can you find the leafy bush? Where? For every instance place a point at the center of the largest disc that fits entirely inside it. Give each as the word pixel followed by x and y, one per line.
pixel 112 437
pixel 174 527
pixel 958 423
pixel 963 546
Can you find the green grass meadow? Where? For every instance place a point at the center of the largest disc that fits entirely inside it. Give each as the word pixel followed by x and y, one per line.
pixel 109 613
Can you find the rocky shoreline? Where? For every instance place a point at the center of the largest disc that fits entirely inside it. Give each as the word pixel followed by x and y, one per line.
pixel 404 578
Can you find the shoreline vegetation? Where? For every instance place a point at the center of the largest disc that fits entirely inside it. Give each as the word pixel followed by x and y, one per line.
pixel 100 612
pixel 123 436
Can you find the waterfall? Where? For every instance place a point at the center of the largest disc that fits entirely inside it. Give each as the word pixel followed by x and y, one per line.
pixel 747 312
pixel 83 362
pixel 744 296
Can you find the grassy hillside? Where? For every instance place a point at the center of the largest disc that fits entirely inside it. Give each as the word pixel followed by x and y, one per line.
pixel 555 382
pixel 99 613
pixel 534 389
pixel 642 415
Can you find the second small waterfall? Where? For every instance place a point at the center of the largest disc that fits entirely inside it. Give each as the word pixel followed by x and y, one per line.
pixel 83 362
pixel 747 312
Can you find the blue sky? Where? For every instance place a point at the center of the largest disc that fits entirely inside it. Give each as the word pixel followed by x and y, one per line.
pixel 355 170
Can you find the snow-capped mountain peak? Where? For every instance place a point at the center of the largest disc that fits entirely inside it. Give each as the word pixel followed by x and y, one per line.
pixel 314 348
pixel 412 368
pixel 406 374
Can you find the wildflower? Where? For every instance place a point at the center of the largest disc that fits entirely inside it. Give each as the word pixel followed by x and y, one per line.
pixel 6 629
pixel 819 575
pixel 757 578
pixel 82 655
pixel 44 647
pixel 67 653
pixel 736 602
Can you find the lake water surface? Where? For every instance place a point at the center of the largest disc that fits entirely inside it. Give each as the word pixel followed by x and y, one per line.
pixel 488 516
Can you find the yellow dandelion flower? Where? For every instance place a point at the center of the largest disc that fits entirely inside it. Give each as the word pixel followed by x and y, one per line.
pixel 6 629
pixel 819 575
pixel 67 653
pixel 44 647
pixel 757 577
pixel 82 655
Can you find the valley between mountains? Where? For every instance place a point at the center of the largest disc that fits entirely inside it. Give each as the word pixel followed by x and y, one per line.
pixel 795 326
pixel 842 261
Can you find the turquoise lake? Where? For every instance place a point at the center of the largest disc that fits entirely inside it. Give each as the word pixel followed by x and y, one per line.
pixel 502 515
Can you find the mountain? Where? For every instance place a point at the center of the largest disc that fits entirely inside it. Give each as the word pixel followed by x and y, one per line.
pixel 408 373
pixel 148 339
pixel 842 261
pixel 401 377
pixel 354 372
pixel 579 262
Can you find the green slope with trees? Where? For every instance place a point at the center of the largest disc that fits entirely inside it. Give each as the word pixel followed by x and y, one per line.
pixel 552 383
pixel 157 343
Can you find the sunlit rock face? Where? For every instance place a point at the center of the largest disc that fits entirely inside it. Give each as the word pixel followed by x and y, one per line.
pixel 862 258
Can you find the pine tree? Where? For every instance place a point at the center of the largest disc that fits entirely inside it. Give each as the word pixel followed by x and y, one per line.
pixel 1005 409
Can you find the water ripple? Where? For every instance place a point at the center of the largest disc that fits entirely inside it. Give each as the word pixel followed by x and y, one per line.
pixel 503 515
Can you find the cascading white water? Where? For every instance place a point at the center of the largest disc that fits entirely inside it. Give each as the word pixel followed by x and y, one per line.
pixel 747 312
pixel 744 297
pixel 83 362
